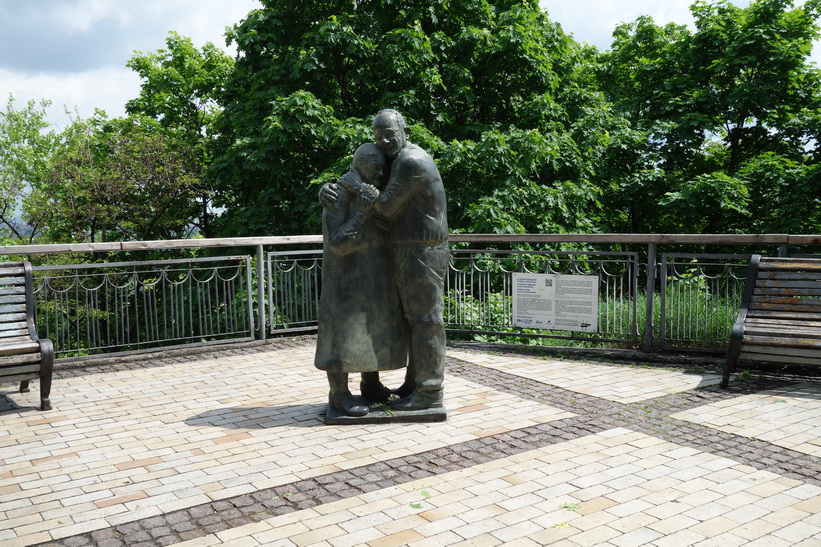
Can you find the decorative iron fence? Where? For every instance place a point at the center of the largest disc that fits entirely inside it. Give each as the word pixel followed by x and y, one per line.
pixel 479 291
pixel 294 284
pixel 679 300
pixel 700 297
pixel 94 308
pixel 697 301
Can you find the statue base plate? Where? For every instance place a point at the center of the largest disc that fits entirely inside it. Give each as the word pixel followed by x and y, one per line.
pixel 383 414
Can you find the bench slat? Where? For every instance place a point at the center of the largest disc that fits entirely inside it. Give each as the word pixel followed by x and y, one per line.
pixel 787 332
pixel 16 308
pixel 802 322
pixel 13 299
pixel 12 280
pixel 784 359
pixel 13 317
pixel 19 347
pixel 770 350
pixel 19 369
pixel 13 325
pixel 6 335
pixel 776 314
pixel 786 301
pixel 793 281
pixel 12 268
pixel 786 291
pixel 783 263
pixel 19 359
pixel 780 315
pixel 782 341
pixel 20 377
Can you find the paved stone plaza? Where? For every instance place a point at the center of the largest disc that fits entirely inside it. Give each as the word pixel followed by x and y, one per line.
pixel 228 447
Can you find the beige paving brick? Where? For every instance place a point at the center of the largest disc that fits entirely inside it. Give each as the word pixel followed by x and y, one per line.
pixel 479 541
pixel 714 526
pixel 441 526
pixel 599 535
pixel 400 538
pixel 756 529
pixel 26 540
pixel 785 516
pixel 439 540
pixel 235 429
pixel 683 537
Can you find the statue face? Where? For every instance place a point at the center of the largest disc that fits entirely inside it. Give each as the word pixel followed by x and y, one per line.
pixel 371 169
pixel 389 136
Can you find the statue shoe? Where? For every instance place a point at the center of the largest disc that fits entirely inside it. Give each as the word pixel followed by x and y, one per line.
pixel 405 389
pixel 375 391
pixel 419 401
pixel 348 405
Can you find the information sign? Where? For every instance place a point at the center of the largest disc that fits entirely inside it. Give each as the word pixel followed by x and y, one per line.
pixel 556 302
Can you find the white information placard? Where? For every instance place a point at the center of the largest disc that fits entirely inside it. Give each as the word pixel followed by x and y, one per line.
pixel 556 302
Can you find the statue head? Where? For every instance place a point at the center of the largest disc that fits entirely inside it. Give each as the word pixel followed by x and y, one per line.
pixel 369 162
pixel 390 132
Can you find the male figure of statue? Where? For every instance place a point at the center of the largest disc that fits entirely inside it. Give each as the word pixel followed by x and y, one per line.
pixel 413 201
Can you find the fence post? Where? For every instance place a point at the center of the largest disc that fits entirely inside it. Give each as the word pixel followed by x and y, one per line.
pixel 260 293
pixel 651 289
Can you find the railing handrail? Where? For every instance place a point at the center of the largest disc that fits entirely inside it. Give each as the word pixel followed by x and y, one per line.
pixel 113 246
pixel 732 239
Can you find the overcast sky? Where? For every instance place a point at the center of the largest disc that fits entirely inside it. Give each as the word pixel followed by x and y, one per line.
pixel 73 52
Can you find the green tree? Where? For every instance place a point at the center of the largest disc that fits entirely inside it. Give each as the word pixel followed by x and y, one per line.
pixel 494 90
pixel 116 180
pixel 179 88
pixel 704 107
pixel 26 144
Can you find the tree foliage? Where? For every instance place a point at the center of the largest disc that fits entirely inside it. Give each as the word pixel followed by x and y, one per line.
pixel 26 145
pixel 117 180
pixel 707 109
pixel 494 90
pixel 708 129
pixel 179 90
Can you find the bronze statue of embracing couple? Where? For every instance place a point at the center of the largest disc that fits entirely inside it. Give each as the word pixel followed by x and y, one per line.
pixel 385 258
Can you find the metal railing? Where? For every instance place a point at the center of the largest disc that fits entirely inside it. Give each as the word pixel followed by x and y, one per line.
pixel 700 297
pixel 479 291
pixel 294 284
pixel 92 308
pixel 647 299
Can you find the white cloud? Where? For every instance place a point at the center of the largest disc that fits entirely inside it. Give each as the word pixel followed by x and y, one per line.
pixel 73 52
pixel 81 18
pixel 104 88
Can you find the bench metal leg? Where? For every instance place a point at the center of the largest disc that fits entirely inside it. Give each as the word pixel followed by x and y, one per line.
pixel 46 370
pixel 729 368
pixel 24 386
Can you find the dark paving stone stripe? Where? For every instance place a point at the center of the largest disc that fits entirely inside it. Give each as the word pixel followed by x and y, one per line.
pixel 653 418
pixel 214 517
pixel 594 415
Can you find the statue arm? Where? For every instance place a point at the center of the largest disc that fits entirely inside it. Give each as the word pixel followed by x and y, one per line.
pixel 399 189
pixel 348 234
pixel 348 237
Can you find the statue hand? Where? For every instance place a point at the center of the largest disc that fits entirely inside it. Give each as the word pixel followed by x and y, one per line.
pixel 349 183
pixel 366 196
pixel 328 194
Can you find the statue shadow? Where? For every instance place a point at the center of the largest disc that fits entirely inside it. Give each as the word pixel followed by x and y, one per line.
pixel 262 417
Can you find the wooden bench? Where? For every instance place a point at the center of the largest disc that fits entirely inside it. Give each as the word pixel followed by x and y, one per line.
pixel 780 316
pixel 23 355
